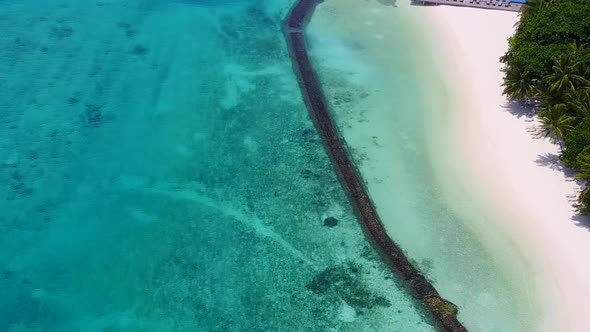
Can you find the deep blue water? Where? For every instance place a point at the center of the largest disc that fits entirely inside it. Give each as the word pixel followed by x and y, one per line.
pixel 159 172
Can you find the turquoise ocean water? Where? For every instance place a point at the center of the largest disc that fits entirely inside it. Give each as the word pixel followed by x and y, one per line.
pixel 159 172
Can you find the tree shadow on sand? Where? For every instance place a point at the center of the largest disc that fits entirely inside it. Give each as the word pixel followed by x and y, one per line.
pixel 550 160
pixel 582 221
pixel 520 110
pixel 553 161
pixel 524 110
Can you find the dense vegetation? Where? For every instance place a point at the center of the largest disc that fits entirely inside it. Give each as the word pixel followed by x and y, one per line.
pixel 548 65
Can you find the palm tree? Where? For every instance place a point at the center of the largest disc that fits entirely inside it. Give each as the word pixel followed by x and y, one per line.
pixel 533 6
pixel 583 162
pixel 519 85
pixel 577 50
pixel 555 123
pixel 566 75
pixel 579 102
pixel 583 205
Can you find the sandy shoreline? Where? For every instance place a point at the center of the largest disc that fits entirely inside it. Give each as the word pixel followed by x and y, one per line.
pixel 379 56
pixel 518 174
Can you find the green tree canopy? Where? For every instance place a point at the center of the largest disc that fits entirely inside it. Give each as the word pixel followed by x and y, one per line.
pixel 555 123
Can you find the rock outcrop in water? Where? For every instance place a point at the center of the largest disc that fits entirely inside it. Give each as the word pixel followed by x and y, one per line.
pixel 330 222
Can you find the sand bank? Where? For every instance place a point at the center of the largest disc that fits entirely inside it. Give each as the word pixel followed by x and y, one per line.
pixel 518 174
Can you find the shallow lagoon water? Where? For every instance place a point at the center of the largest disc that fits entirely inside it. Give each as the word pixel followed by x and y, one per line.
pixel 160 173
pixel 388 100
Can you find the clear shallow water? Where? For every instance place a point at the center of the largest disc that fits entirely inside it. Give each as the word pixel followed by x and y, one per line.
pixel 383 90
pixel 159 172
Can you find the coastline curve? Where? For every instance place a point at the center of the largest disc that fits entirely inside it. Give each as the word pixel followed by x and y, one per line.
pixel 443 312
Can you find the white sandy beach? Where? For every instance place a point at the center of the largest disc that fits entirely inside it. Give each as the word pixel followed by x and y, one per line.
pixel 518 174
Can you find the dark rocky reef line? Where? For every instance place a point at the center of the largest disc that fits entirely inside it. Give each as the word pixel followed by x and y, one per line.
pixel 443 312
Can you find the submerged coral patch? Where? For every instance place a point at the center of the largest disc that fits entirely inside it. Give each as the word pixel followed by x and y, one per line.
pixel 345 282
